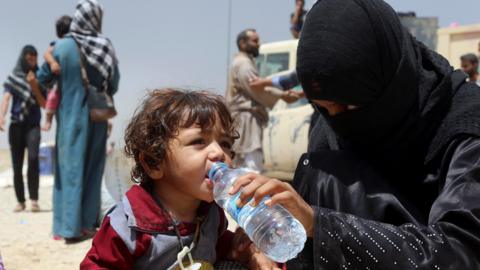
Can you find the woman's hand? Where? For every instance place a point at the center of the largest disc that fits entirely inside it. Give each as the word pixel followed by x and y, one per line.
pixel 32 80
pixel 256 187
pixel 30 77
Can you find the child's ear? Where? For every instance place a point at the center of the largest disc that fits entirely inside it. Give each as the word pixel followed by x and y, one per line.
pixel 154 172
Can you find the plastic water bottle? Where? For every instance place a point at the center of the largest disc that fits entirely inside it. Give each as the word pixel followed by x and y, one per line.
pixel 273 229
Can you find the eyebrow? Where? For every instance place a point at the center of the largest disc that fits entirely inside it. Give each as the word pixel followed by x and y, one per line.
pixel 191 131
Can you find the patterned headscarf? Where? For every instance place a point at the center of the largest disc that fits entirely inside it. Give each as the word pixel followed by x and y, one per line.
pixel 86 30
pixel 17 83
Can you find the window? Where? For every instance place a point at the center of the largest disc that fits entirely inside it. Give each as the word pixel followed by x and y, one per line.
pixel 269 64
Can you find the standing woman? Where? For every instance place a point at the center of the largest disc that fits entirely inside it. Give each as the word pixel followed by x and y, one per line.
pixel 80 142
pixel 24 131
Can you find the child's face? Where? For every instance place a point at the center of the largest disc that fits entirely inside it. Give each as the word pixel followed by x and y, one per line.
pixel 190 156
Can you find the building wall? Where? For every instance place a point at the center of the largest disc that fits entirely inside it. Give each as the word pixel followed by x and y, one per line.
pixel 453 42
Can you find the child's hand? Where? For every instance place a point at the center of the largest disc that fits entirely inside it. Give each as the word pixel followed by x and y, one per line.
pixel 245 252
pixel 256 187
pixel 47 126
pixel 55 67
pixel 258 260
pixel 240 243
pixel 31 77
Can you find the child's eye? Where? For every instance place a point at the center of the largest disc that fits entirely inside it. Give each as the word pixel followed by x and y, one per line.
pixel 226 145
pixel 199 141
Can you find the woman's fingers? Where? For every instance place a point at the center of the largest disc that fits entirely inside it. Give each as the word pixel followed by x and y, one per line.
pixel 269 188
pixel 240 182
pixel 252 186
pixel 285 198
pixel 247 192
pixel 296 206
pixel 256 187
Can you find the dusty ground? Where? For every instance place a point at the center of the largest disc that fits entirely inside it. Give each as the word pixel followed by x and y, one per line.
pixel 25 238
pixel 5 161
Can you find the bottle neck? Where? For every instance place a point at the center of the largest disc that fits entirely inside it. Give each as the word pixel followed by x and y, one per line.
pixel 217 171
pixel 217 176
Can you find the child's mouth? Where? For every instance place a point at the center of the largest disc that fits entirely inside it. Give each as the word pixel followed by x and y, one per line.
pixel 209 182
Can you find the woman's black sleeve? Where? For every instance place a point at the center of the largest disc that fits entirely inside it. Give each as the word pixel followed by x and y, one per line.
pixel 450 241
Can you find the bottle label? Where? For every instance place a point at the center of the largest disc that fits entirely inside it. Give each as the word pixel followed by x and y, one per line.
pixel 233 209
pixel 236 211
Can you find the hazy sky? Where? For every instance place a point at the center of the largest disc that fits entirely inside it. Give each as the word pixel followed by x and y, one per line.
pixel 178 42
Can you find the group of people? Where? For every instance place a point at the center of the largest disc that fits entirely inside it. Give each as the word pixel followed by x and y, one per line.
pixel 248 96
pixel 395 186
pixel 59 87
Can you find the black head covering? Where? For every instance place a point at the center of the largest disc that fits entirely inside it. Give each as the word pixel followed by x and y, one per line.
pixel 22 68
pixel 356 52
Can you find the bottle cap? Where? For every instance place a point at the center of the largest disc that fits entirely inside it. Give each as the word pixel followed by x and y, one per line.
pixel 215 168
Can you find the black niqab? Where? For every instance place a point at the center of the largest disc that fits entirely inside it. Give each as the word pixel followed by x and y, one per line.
pixel 356 52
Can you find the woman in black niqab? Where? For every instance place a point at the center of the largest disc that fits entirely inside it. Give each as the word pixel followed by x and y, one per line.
pixel 358 53
pixel 403 190
pixel 408 163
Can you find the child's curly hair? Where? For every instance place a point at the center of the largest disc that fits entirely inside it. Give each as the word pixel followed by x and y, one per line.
pixel 162 113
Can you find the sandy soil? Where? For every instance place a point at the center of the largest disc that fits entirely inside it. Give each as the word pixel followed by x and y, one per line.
pixel 25 238
pixel 5 160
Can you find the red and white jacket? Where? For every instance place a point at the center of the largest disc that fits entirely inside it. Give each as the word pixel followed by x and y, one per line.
pixel 138 234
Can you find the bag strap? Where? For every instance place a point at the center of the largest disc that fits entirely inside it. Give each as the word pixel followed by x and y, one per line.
pixel 83 70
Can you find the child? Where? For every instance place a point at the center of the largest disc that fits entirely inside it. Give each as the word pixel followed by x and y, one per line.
pixel 174 138
pixel 53 98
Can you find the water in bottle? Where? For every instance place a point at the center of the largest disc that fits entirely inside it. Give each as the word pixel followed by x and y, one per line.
pixel 273 229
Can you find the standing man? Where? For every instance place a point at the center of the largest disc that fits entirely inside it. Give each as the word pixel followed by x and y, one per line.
pixel 248 107
pixel 470 66
pixel 297 18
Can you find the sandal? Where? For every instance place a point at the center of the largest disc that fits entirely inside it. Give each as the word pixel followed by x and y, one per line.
pixel 89 233
pixel 85 235
pixel 19 208
pixel 34 207
pixel 75 240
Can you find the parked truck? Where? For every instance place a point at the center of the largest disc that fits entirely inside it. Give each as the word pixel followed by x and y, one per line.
pixel 286 136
